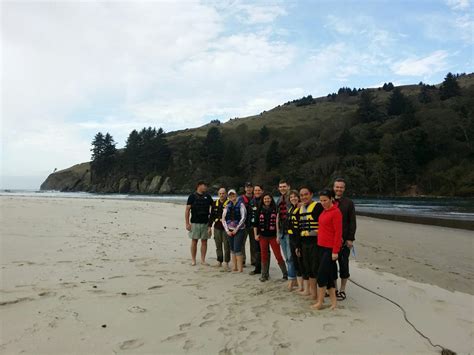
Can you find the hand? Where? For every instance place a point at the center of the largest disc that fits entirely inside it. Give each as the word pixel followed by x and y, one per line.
pixel 229 233
pixel 278 240
pixel 188 227
pixel 334 256
pixel 349 243
pixel 209 231
pixel 298 252
pixel 257 238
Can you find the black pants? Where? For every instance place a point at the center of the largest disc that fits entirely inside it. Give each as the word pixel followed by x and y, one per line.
pixel 297 260
pixel 343 261
pixel 327 272
pixel 310 257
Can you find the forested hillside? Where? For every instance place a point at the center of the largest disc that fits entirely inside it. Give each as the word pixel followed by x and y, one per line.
pixel 406 140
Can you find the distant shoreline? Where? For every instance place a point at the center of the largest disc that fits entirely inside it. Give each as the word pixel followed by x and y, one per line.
pixel 465 224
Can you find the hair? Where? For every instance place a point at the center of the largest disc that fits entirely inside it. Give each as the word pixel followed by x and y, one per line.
pixel 201 182
pixel 326 192
pixel 307 188
pixel 339 179
pixel 283 181
pixel 295 192
pixel 259 185
pixel 272 203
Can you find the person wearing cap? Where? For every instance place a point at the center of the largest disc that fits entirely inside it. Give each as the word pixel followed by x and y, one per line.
pixel 233 220
pixel 248 233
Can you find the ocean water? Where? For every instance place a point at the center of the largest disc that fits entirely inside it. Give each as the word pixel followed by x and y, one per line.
pixel 461 209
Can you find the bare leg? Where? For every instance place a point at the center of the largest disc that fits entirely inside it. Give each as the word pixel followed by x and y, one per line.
pixel 194 243
pixel 305 291
pixel 343 285
pixel 234 262
pixel 312 288
pixel 332 295
pixel 240 263
pixel 299 279
pixel 203 251
pixel 321 292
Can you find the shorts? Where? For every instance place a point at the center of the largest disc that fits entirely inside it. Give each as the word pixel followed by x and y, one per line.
pixel 198 231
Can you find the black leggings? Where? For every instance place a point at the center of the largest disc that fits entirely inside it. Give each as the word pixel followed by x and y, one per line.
pixel 298 260
pixel 327 272
pixel 310 257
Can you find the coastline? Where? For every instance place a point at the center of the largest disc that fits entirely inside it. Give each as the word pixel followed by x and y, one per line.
pixel 71 267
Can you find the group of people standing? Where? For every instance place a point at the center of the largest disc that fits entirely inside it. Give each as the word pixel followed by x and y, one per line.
pixel 313 236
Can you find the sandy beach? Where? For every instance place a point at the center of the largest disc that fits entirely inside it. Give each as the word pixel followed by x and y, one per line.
pixel 98 276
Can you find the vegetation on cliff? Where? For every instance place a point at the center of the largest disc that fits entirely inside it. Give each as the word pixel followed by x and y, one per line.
pixel 388 141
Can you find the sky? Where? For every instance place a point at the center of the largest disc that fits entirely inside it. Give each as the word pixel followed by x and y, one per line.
pixel 70 69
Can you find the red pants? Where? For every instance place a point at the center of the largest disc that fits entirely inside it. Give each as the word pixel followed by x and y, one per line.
pixel 272 241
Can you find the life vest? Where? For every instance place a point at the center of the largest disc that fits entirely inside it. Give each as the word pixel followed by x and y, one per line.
pixel 308 220
pixel 293 220
pixel 267 221
pixel 253 209
pixel 218 208
pixel 282 209
pixel 233 212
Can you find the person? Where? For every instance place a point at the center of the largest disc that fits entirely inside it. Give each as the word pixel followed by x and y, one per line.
pixel 254 205
pixel 283 205
pixel 349 225
pixel 248 233
pixel 220 236
pixel 198 205
pixel 233 220
pixel 266 234
pixel 295 239
pixel 329 242
pixel 309 212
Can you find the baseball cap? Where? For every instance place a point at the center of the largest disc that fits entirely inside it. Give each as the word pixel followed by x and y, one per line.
pixel 248 183
pixel 231 191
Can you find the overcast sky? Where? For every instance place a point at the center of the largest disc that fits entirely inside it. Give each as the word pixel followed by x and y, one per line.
pixel 72 68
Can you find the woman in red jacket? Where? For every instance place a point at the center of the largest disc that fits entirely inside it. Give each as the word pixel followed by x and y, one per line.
pixel 329 242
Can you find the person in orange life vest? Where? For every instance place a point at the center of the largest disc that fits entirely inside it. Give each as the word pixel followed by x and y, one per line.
pixel 220 236
pixel 329 242
pixel 266 234
pixel 233 220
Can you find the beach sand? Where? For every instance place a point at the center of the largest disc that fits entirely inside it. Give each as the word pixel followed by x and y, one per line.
pixel 98 276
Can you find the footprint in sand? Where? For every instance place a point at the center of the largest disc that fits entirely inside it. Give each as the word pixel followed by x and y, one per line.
pixel 47 293
pixel 184 326
pixel 130 344
pixel 115 277
pixel 18 300
pixel 206 323
pixel 209 316
pixel 356 322
pixel 174 337
pixel 326 340
pixel 188 344
pixel 136 309
pixel 155 287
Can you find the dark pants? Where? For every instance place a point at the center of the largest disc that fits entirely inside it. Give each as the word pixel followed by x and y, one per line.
pixel 310 257
pixel 236 243
pixel 343 261
pixel 254 246
pixel 222 240
pixel 327 272
pixel 298 260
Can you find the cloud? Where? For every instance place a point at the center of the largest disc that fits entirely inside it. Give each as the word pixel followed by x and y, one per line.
pixel 434 63
pixel 458 5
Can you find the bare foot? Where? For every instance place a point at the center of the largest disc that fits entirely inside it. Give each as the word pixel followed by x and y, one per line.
pixel 193 263
pixel 317 306
pixel 333 307
pixel 304 293
pixel 218 265
pixel 290 286
pixel 203 263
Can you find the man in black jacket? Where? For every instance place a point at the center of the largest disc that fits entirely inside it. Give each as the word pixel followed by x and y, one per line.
pixel 348 234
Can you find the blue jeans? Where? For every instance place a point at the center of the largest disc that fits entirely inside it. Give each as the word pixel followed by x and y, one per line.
pixel 285 248
pixel 236 243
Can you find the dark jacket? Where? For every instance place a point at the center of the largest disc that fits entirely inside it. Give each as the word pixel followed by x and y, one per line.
pixel 348 218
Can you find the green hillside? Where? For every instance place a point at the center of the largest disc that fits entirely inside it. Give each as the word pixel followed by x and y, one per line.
pixel 415 139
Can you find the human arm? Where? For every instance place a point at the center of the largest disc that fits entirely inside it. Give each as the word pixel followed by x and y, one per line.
pixel 243 216
pixel 255 233
pixel 352 225
pixel 337 226
pixel 224 223
pixel 186 217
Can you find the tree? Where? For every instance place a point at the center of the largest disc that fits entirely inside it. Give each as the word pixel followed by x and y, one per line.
pixel 367 110
pixel 264 134
pixel 424 96
pixel 449 88
pixel 103 155
pixel 345 142
pixel 397 103
pixel 273 158
pixel 97 146
pixel 388 87
pixel 214 149
pixel 133 148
